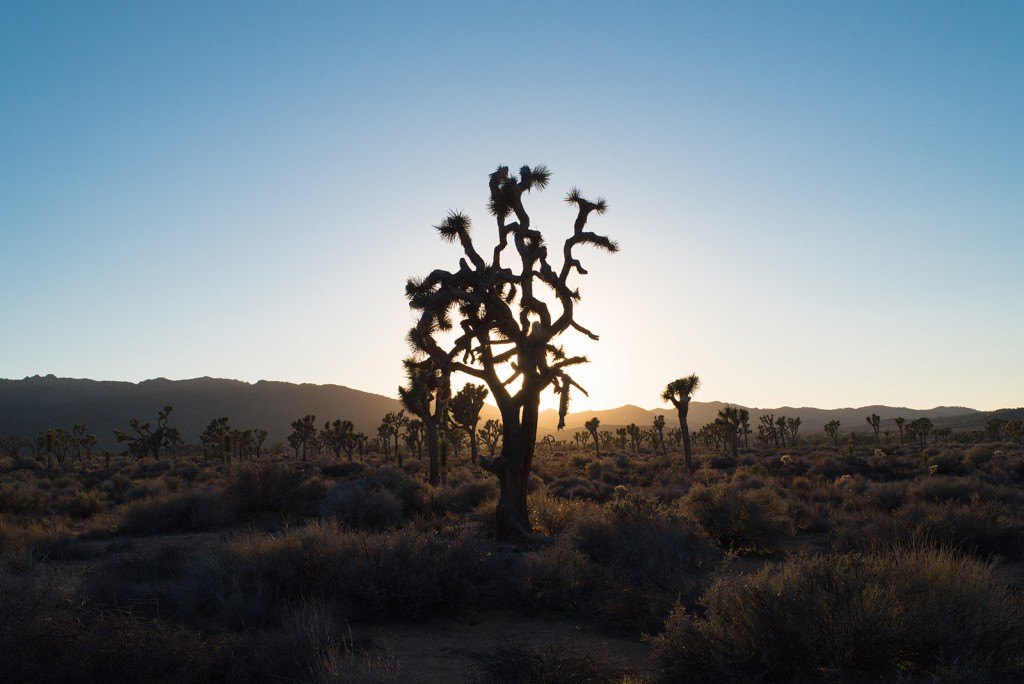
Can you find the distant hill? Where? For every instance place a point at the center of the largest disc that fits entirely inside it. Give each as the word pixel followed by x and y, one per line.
pixel 34 404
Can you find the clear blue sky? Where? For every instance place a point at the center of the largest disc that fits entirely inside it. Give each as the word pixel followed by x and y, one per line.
pixel 818 203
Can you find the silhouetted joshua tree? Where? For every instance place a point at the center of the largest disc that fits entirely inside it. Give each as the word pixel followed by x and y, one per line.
pixel 395 423
pixel 505 333
pixel 729 422
pixel 875 421
pixel 303 432
pixel 592 426
pixel 832 430
pixel 465 412
pixel 148 440
pixel 899 423
pixel 426 396
pixel 679 392
pixel 490 434
pixel 659 430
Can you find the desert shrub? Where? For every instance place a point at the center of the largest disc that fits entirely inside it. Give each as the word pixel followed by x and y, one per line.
pixel 737 517
pixel 847 618
pixel 555 515
pixel 391 479
pixel 143 489
pixel 402 575
pixel 834 467
pixel 85 503
pixel 722 462
pixel 21 498
pixel 24 541
pixel 644 557
pixel 468 496
pixel 575 487
pixel 358 506
pixel 945 462
pixel 190 511
pixel 343 469
pixel 273 488
pixel 963 490
pixel 981 528
pixel 556 578
pixel 510 664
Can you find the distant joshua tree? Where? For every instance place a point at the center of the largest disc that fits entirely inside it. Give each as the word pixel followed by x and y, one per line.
pixel 591 426
pixel 899 423
pixel 395 423
pixel 505 334
pixel 490 434
pixel 875 422
pixel 832 430
pixel 465 412
pixel 148 440
pixel 729 423
pixel 679 392
pixel 426 396
pixel 623 434
pixel 301 437
pixel 659 429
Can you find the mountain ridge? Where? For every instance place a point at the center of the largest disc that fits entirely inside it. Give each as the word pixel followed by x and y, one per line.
pixel 36 403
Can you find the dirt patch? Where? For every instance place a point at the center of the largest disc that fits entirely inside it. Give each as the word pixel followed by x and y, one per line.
pixel 445 650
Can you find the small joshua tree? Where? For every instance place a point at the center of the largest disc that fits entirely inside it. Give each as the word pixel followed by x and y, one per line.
pixel 511 308
pixel 679 392
pixel 832 430
pixel 465 412
pixel 875 421
pixel 148 440
pixel 591 426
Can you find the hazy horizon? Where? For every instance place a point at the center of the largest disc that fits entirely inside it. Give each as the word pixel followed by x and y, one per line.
pixel 818 205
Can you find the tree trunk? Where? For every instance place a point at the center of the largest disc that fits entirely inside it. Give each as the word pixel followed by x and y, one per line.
pixel 687 445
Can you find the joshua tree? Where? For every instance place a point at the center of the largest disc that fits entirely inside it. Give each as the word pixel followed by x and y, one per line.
pixel 395 423
pixel 659 429
pixel 490 434
pixel 259 435
pixel 426 396
pixel 465 412
pixel 334 435
pixel 303 432
pixel 899 423
pixel 679 393
pixel 780 423
pixel 623 435
pixel 635 436
pixel 793 427
pixel 591 426
pixel 745 426
pixel 414 437
pixel 875 422
pixel 216 439
pixel 768 429
pixel 148 440
pixel 506 333
pixel 920 429
pixel 729 423
pixel 832 430
pixel 580 438
pixel 549 442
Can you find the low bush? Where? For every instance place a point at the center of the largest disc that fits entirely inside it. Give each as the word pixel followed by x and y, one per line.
pixel 190 511
pixel 644 558
pixel 358 506
pixel 850 618
pixel 273 488
pixel 85 503
pixel 739 517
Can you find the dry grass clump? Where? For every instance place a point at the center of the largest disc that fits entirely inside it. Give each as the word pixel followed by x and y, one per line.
pixel 907 613
pixel 276 488
pixel 403 574
pixel 358 506
pixel 644 557
pixel 739 516
pixel 189 511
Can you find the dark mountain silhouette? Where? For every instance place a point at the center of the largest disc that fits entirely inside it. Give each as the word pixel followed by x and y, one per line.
pixel 34 404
